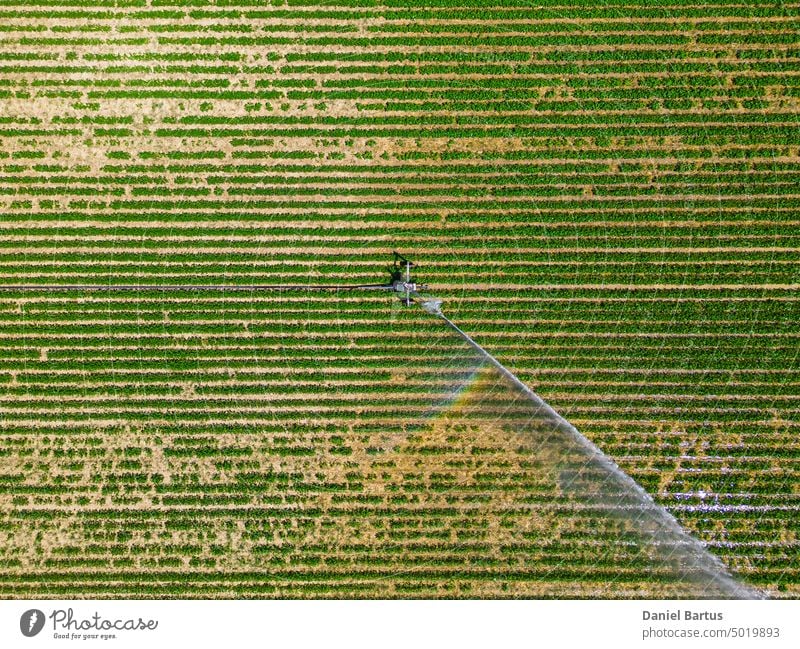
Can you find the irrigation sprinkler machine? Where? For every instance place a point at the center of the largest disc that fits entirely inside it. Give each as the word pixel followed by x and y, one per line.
pixel 402 282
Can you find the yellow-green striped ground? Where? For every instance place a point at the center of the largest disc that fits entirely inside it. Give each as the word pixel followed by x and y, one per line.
pixel 605 195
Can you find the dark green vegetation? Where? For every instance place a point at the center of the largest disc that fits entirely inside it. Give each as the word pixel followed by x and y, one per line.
pixel 606 196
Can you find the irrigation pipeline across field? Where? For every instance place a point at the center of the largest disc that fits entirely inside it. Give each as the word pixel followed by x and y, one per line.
pixel 195 287
pixel 659 526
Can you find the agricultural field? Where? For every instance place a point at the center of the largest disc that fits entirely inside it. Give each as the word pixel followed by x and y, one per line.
pixel 605 195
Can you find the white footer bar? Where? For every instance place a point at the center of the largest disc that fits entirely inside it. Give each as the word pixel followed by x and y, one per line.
pixel 399 624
